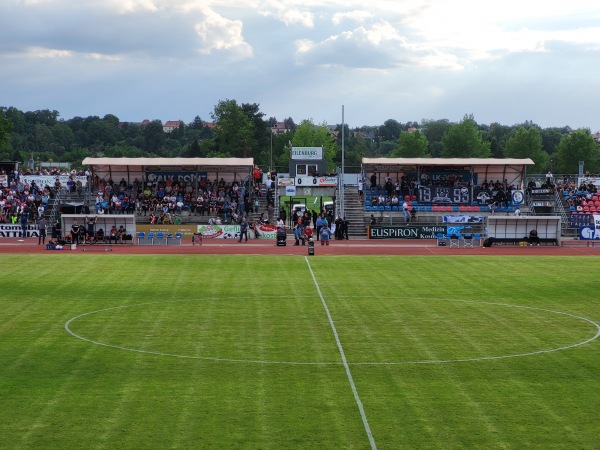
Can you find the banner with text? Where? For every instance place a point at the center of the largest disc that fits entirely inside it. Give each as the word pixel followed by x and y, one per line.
pixel 405 232
pixel 591 232
pixel 49 180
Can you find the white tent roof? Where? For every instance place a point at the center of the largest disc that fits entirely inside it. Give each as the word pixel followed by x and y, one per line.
pixel 511 169
pixel 132 168
pixel 204 162
pixel 447 162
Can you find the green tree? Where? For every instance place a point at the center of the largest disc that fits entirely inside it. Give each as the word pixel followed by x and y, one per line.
pixel 434 131
pixel 63 137
pixel 261 132
pixel 527 143
pixel 498 135
pixel 5 126
pixel 310 135
pixel 411 144
pixel 43 137
pixel 192 151
pixel 464 140
pixel 154 137
pixel 551 138
pixel 234 131
pixel 575 147
pixel 390 130
pixel 196 124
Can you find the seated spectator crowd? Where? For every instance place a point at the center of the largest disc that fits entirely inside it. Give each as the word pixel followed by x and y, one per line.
pixel 163 201
pixel 582 197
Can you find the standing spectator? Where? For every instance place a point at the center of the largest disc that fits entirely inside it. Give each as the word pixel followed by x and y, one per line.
pixel 325 234
pixel 24 223
pixel 56 230
pixel 91 228
pixel 243 229
pixel 406 212
pixel 75 231
pixel 257 175
pixel 299 234
pixel 339 225
pixel 345 225
pixel 319 224
pixel 360 189
pixel 42 230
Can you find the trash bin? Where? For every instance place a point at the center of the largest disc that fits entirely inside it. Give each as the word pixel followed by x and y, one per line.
pixel 311 247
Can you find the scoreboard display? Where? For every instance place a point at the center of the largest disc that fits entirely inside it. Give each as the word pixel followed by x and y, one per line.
pixel 442 194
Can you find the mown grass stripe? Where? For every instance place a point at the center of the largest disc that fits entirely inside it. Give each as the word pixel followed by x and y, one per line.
pixel 344 361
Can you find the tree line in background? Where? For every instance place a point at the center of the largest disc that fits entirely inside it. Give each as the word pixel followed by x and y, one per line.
pixel 242 131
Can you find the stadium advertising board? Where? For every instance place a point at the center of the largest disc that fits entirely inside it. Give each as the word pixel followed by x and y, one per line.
pixel 307 153
pixel 541 191
pixel 587 180
pixel 405 232
pixel 188 177
pixel 49 180
pixel 581 220
pixel 463 218
pixel 8 230
pixel 207 231
pixel 591 232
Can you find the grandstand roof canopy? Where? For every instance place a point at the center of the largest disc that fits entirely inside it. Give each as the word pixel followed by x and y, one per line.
pixel 511 169
pixel 130 168
pixel 410 162
pixel 230 163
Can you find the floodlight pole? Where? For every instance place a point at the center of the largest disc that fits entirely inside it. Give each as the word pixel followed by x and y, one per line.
pixel 341 184
pixel 271 159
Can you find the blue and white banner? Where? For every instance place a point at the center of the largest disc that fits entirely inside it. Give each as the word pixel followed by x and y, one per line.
pixel 463 218
pixel 591 232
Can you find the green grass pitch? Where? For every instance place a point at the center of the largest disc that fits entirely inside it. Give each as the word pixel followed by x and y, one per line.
pixel 289 352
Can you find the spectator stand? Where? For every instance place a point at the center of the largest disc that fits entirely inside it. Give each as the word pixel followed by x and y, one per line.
pixel 434 188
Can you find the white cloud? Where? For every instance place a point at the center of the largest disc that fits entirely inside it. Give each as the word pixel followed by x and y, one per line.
pixel 39 52
pixel 377 47
pixel 287 13
pixel 355 16
pixel 218 33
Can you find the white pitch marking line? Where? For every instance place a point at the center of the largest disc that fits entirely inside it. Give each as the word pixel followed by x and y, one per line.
pixel 345 363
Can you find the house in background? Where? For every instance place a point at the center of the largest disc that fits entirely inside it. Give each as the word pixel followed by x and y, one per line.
pixel 171 125
pixel 280 128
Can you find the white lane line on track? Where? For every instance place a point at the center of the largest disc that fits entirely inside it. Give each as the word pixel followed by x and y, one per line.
pixel 344 361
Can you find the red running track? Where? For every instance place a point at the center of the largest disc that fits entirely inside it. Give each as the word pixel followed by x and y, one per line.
pixel 268 247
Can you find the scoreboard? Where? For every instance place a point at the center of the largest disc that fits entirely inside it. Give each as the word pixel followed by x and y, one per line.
pixel 442 194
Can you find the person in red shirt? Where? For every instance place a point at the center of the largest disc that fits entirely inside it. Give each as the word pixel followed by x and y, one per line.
pixel 308 233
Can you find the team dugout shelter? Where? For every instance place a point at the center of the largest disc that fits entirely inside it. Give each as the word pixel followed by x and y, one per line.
pixel 445 181
pixel 153 170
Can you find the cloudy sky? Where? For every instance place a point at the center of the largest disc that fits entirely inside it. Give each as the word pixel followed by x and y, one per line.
pixel 503 61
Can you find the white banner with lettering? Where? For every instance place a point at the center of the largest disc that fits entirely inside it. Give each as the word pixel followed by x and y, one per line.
pixel 43 180
pixel 307 153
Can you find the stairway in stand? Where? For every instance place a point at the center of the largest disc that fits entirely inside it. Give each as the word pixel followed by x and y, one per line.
pixel 353 208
